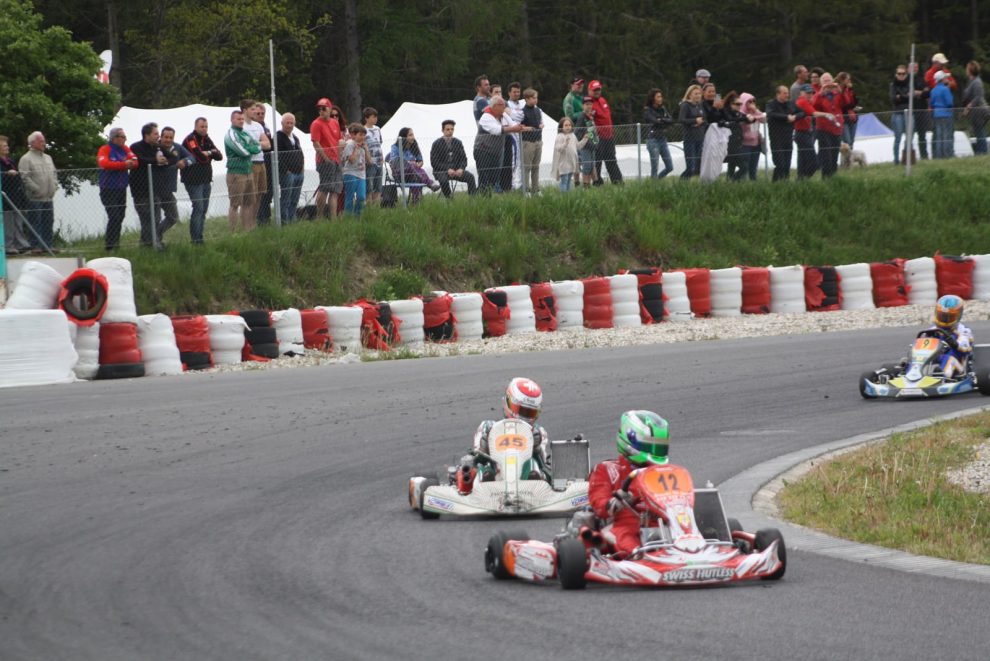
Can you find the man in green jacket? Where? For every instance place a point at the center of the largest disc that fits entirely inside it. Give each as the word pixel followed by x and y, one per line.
pixel 240 147
pixel 574 101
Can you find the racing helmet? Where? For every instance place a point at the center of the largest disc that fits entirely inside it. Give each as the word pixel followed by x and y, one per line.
pixel 523 400
pixel 642 438
pixel 948 311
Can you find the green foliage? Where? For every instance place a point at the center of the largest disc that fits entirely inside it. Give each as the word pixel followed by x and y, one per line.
pixel 48 84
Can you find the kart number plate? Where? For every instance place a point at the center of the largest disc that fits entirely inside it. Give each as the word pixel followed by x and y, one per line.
pixel 511 442
pixel 926 344
pixel 667 480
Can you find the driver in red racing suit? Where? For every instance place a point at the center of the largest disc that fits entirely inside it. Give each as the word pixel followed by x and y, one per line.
pixel 642 440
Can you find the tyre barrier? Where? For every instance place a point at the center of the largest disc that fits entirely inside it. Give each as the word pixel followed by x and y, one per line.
pixel 569 298
pixel 889 284
pixel 597 303
pixel 227 338
pixel 522 316
pixel 87 342
pixel 755 290
pixel 265 346
pixel 289 331
pixel 379 328
pixel 494 312
pixel 35 348
pixel 726 292
pixel 544 306
pixel 83 296
pixel 650 294
pixel 699 291
pixel 439 324
pixel 624 289
pixel 675 290
pixel 316 329
pixel 344 322
pixel 411 319
pixel 37 288
pixel 954 275
pixel 856 286
pixel 192 336
pixel 120 289
pixel 922 287
pixel 821 289
pixel 981 277
pixel 159 350
pixel 787 289
pixel 120 355
pixel 467 311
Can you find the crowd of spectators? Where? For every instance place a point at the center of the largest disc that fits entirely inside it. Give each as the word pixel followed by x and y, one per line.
pixel 817 115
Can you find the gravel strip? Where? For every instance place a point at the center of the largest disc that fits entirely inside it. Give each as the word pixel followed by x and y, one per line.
pixel 976 475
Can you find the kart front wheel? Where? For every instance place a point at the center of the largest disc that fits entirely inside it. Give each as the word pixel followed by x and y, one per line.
pixel 427 483
pixel 572 563
pixel 863 378
pixel 494 553
pixel 983 381
pixel 766 537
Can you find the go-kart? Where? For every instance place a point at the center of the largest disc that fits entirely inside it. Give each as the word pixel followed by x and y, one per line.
pixel 921 375
pixel 685 540
pixel 511 486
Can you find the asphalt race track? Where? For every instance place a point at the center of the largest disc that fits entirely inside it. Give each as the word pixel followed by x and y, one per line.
pixel 263 515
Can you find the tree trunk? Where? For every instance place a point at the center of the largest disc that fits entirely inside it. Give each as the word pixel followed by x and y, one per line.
pixel 113 36
pixel 352 101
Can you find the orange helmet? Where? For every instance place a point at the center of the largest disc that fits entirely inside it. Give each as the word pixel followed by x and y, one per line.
pixel 948 311
pixel 523 400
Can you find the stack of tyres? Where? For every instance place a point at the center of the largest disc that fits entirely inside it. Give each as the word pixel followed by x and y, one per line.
pixel 438 321
pixel 821 289
pixel 954 275
pixel 192 336
pixel 597 303
pixel 648 280
pixel 544 306
pixel 120 355
pixel 316 329
pixel 755 290
pixel 495 312
pixel 260 337
pixel 889 283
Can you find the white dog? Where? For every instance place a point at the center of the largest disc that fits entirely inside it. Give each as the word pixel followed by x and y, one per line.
pixel 851 157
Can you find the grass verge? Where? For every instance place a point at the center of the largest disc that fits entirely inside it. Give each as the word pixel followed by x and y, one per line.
pixel 895 494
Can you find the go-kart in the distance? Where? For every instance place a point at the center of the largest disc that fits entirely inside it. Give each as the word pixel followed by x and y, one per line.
pixel 514 487
pixel 921 375
pixel 685 540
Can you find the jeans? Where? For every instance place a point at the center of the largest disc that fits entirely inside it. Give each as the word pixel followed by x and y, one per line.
pixel 115 202
pixel 565 182
pixel 752 155
pixel 199 195
pixel 807 163
pixel 828 152
pixel 41 216
pixel 355 190
pixel 782 152
pixel 166 212
pixel 978 122
pixel 657 148
pixel 848 131
pixel 291 184
pixel 942 146
pixel 692 158
pixel 923 124
pixel 897 122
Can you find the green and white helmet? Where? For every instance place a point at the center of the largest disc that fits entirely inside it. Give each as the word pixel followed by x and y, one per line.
pixel 642 438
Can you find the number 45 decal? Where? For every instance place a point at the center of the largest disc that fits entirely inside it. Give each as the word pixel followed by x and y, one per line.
pixel 511 442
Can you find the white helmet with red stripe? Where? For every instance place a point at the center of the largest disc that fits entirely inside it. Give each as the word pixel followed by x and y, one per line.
pixel 523 400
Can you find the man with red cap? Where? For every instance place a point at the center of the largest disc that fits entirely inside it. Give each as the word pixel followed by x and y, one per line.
pixel 325 133
pixel 606 144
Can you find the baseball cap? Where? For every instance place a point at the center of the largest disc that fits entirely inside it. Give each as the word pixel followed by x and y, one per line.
pixel 594 85
pixel 589 99
pixel 940 58
pixel 940 75
pixel 807 88
pixel 702 73
pixel 577 80
pixel 324 103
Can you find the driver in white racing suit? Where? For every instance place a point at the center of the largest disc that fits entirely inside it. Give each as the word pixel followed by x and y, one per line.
pixel 948 317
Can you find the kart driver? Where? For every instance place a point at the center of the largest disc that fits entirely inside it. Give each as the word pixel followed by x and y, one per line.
pixel 523 401
pixel 948 315
pixel 642 440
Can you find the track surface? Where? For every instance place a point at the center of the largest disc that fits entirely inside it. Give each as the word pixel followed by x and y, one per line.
pixel 263 515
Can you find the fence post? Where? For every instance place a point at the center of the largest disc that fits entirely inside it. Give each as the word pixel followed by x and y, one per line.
pixel 639 150
pixel 402 172
pixel 3 253
pixel 151 210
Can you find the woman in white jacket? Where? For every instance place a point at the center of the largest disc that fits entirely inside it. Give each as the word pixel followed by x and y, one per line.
pixel 565 154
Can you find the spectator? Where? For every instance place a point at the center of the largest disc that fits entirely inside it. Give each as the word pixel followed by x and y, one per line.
pixel 606 139
pixel 900 97
pixel 782 113
pixel 290 165
pixel 165 180
pixel 711 102
pixel 514 109
pixel 922 113
pixel 565 154
pixel 850 105
pixel 482 90
pixel 354 167
pixel 701 78
pixel 800 78
pixel 38 177
pixel 325 133
pixel 259 173
pixel 15 241
pixel 940 63
pixel 492 151
pixel 198 177
pixel 449 160
pixel 265 201
pixel 753 142
pixel 496 91
pixel 586 134
pixel 829 133
pixel 240 147
pixel 407 167
pixel 574 101
pixel 941 103
pixel 815 76
pixel 114 160
pixel 804 132
pixel 692 116
pixel 373 176
pixel 734 120
pixel 150 158
pixel 657 119
pixel 532 140
pixel 975 106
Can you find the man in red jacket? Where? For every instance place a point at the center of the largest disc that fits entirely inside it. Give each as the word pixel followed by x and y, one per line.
pixel 642 440
pixel 605 152
pixel 829 133
pixel 940 63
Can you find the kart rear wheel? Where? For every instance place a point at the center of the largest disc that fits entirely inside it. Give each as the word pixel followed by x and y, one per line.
pixel 428 482
pixel 734 525
pixel 983 381
pixel 766 537
pixel 494 564
pixel 863 378
pixel 572 563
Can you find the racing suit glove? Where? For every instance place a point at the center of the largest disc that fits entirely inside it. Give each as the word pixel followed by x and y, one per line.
pixel 619 500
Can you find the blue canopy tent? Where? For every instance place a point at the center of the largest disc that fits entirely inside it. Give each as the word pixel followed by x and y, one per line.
pixel 869 126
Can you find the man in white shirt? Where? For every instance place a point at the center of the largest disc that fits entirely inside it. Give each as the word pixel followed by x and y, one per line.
pixel 515 105
pixel 492 151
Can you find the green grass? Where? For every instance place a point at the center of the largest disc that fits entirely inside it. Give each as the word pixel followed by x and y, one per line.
pixel 896 494
pixel 468 244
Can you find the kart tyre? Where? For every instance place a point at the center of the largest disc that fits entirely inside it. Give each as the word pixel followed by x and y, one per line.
pixel 494 564
pixel 766 537
pixel 413 500
pixel 734 525
pixel 572 563
pixel 983 381
pixel 863 378
pixel 428 482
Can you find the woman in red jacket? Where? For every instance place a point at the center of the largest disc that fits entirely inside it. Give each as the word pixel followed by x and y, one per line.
pixel 849 106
